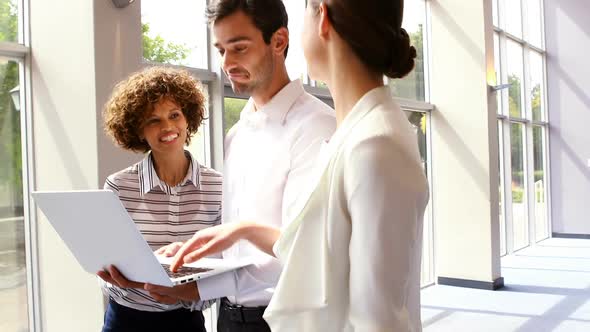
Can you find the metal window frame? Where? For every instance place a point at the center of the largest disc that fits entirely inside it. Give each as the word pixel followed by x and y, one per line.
pixel 527 121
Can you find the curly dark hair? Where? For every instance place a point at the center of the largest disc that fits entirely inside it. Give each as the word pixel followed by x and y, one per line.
pixel 133 100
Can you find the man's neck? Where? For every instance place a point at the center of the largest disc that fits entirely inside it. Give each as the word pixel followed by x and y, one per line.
pixel 279 81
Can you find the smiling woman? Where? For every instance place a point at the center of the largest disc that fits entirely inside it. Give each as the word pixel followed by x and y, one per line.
pixel 157 111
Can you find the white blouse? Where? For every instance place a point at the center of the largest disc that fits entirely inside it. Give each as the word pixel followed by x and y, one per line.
pixel 352 254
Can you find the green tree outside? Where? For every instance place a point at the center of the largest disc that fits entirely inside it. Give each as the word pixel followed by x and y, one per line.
pixel 156 49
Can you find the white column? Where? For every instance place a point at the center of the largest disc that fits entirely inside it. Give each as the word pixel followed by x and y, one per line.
pixel 464 144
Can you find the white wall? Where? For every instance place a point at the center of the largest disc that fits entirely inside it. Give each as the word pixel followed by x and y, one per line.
pixel 568 78
pixel 464 141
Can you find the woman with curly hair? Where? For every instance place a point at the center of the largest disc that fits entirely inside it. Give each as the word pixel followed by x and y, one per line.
pixel 168 194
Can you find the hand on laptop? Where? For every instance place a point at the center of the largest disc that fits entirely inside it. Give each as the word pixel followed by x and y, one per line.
pixel 114 277
pixel 206 242
pixel 170 250
pixel 171 295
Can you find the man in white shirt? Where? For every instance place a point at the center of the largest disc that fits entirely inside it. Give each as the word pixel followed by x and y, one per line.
pixel 268 153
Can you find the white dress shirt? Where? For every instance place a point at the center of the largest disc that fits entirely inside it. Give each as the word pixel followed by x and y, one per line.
pixel 352 255
pixel 269 153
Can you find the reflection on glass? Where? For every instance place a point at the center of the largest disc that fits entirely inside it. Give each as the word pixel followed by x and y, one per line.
pixel 174 32
pixel 541 221
pixel 513 17
pixel 514 77
pixel 519 201
pixel 13 276
pixel 9 21
pixel 536 91
pixel 495 12
pixel 296 65
pixel 498 71
pixel 501 207
pixel 413 86
pixel 419 124
pixel 232 107
pixel 534 24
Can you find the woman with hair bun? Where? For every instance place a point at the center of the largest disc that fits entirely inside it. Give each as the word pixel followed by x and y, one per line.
pixel 352 251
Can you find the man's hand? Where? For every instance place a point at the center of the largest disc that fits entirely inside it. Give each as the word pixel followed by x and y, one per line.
pixel 207 242
pixel 171 295
pixel 113 276
pixel 169 250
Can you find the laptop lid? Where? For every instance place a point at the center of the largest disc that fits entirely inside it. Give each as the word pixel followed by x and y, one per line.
pixel 99 232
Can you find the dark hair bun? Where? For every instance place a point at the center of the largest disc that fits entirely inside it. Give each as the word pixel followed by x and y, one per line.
pixel 402 55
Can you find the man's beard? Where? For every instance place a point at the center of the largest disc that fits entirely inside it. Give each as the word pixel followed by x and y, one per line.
pixel 262 76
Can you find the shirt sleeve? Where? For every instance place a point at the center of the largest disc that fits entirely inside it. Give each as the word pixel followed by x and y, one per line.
pixel 386 191
pixel 304 152
pixel 218 286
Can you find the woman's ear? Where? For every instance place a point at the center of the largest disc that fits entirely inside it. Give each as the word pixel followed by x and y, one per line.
pixel 280 40
pixel 324 22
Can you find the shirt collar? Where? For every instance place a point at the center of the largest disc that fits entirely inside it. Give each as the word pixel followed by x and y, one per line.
pixel 276 109
pixel 148 178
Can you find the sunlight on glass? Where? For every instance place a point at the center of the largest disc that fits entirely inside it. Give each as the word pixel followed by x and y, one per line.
pixel 514 68
pixel 512 17
pixel 501 207
pixel 296 65
pixel 520 226
pixel 540 180
pixel 413 85
pixel 174 32
pixel 498 72
pixel 13 271
pixel 495 12
pixel 534 22
pixel 420 125
pixel 536 93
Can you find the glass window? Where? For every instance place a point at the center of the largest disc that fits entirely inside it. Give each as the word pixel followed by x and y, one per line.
pixel 514 68
pixel 9 25
pixel 419 124
pixel 536 93
pixel 231 113
pixel 534 23
pixel 413 85
pixel 498 71
pixel 174 32
pixel 13 272
pixel 519 206
pixel 296 65
pixel 501 189
pixel 540 179
pixel 495 12
pixel 513 17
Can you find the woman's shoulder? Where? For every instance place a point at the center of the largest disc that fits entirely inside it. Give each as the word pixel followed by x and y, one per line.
pixel 209 172
pixel 126 175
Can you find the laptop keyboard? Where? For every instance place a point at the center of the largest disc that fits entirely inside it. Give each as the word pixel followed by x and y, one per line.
pixel 183 271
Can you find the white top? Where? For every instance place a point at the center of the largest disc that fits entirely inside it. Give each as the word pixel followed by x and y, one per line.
pixel 352 255
pixel 268 155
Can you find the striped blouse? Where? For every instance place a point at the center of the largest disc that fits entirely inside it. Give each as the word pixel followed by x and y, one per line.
pixel 163 215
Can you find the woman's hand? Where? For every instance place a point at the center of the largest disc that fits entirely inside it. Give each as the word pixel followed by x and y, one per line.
pixel 171 295
pixel 170 250
pixel 207 242
pixel 116 278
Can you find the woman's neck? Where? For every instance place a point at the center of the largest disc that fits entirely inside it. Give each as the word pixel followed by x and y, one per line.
pixel 171 168
pixel 349 81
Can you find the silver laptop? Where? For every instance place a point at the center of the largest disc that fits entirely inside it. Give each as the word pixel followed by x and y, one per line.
pixel 99 232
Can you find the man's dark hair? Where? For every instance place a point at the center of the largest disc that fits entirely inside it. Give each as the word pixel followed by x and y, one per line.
pixel 268 15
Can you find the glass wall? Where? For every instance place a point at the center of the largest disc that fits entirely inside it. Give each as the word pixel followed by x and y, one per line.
pixel 523 126
pixel 14 284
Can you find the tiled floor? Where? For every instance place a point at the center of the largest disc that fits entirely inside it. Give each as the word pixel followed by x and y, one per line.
pixel 547 289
